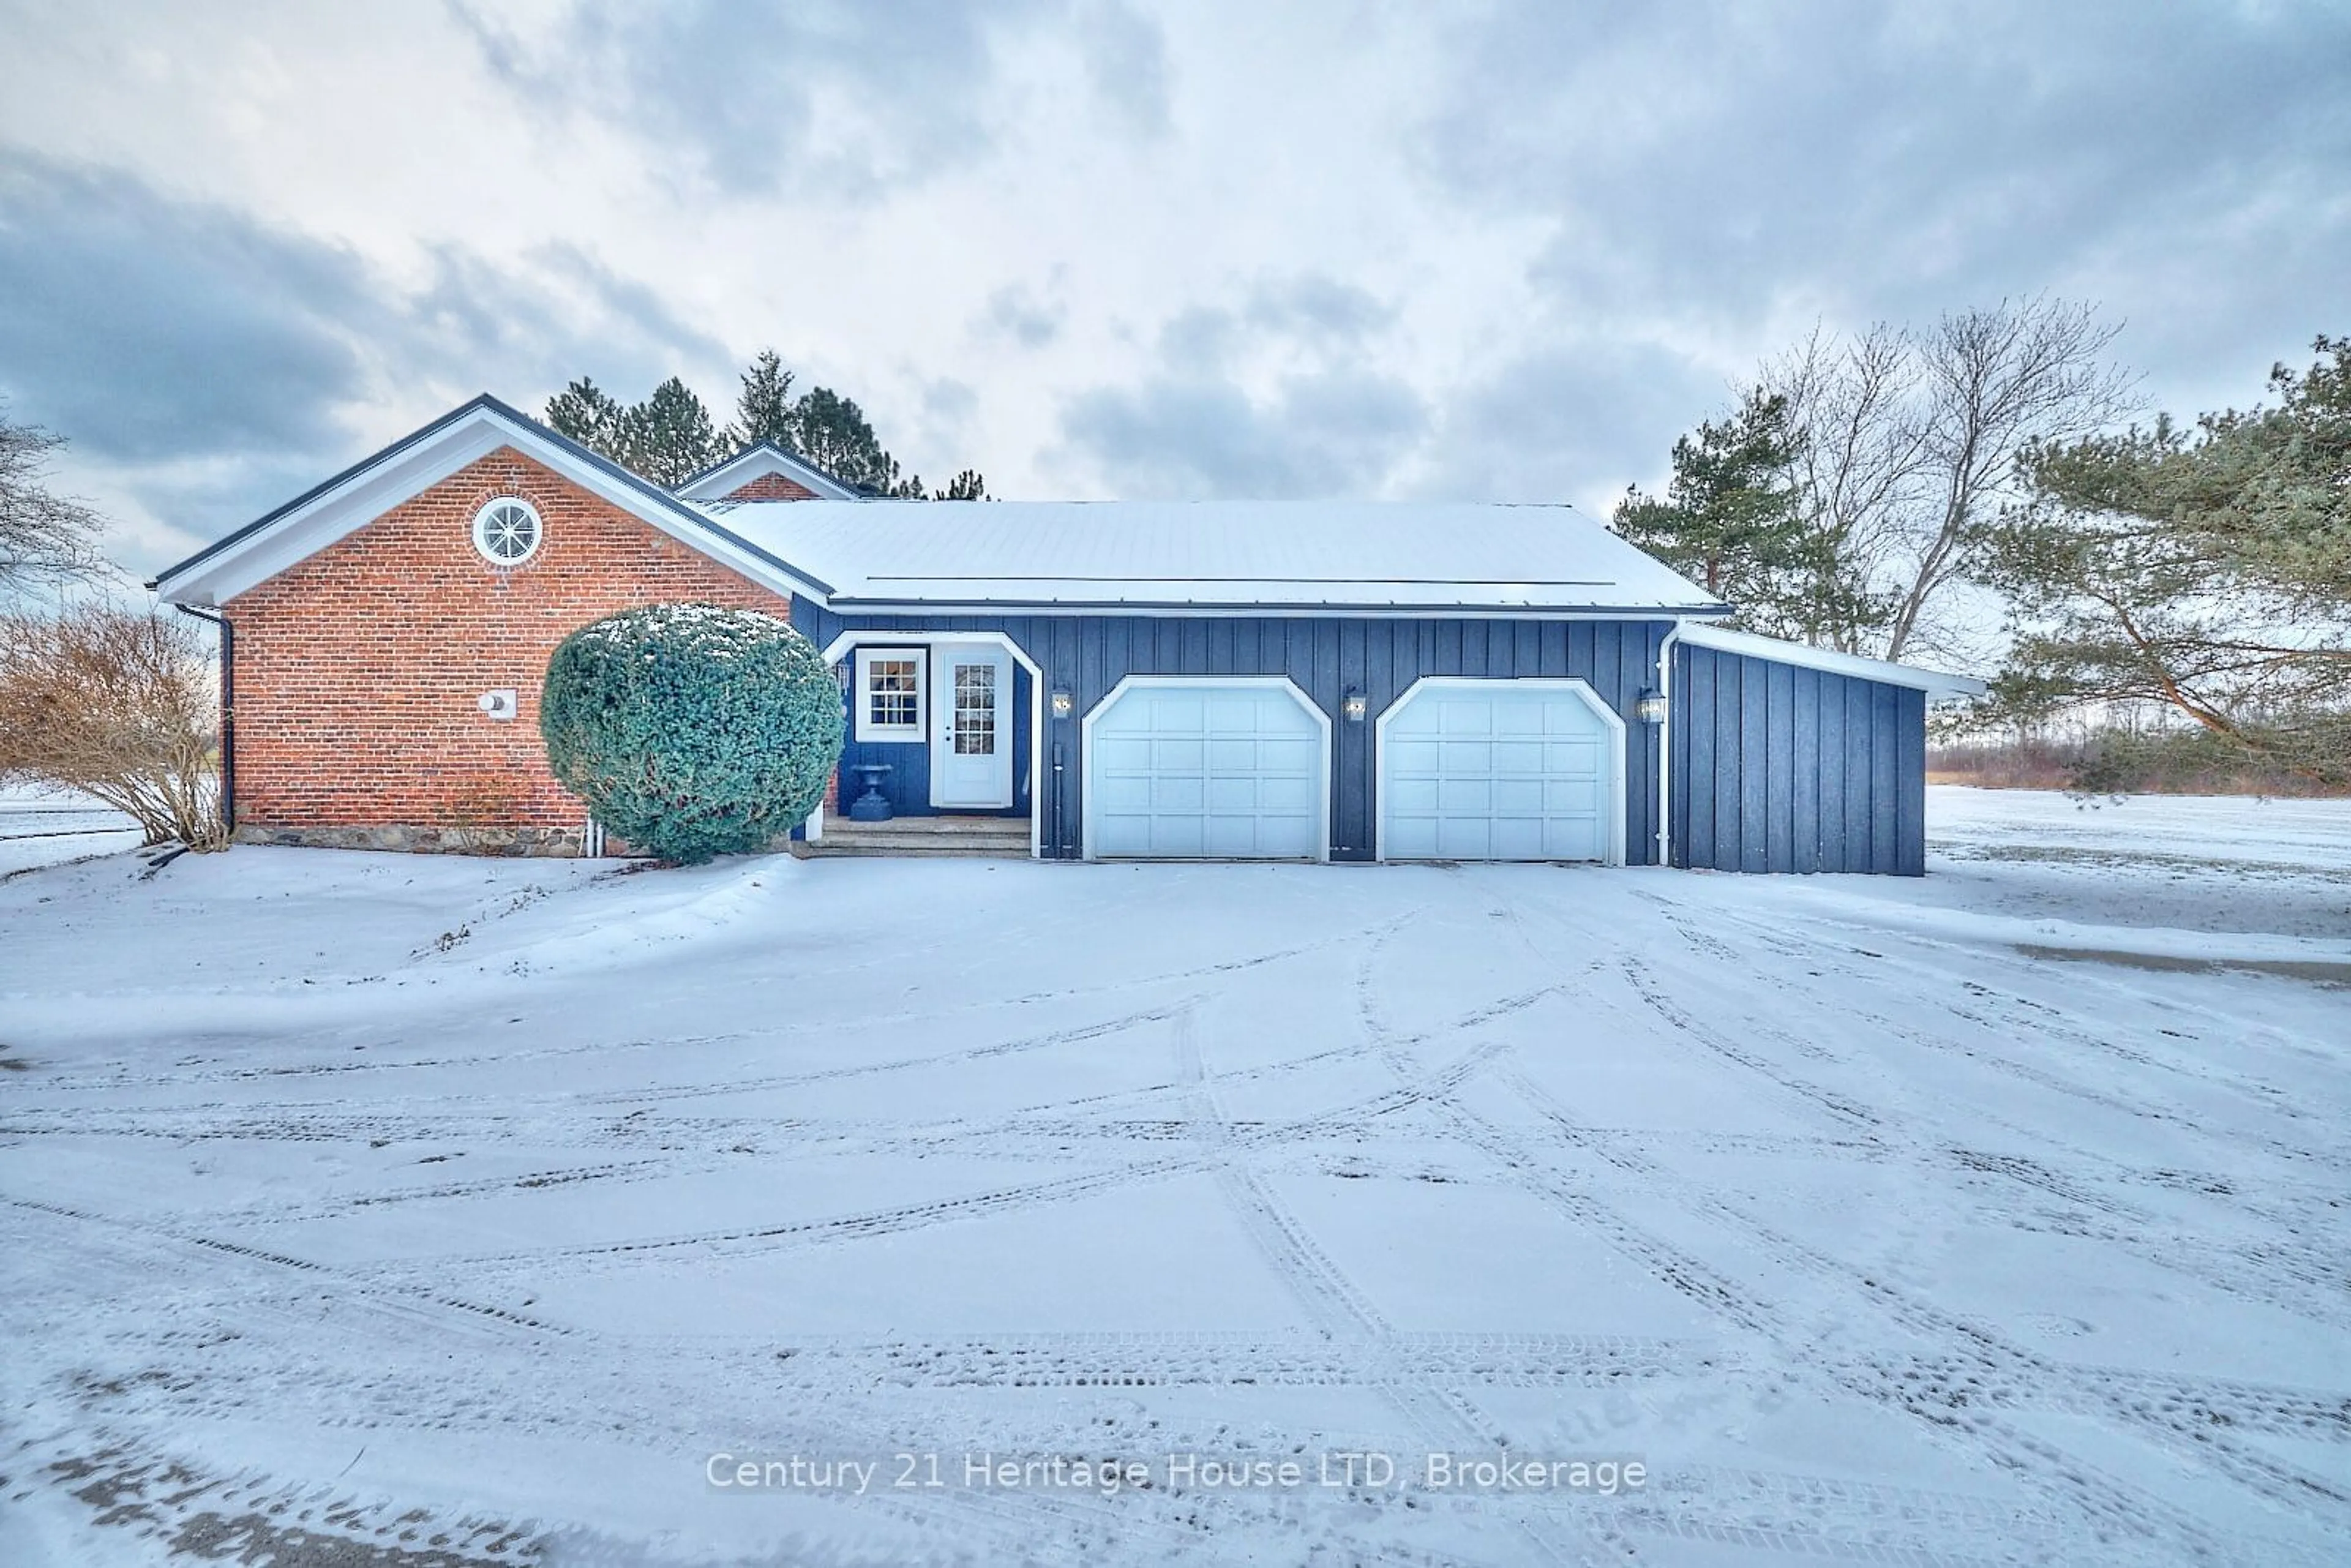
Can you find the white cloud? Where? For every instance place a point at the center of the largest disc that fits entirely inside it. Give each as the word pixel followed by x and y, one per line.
pixel 1091 248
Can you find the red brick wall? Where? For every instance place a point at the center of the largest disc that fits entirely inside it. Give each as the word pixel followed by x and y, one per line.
pixel 772 487
pixel 358 670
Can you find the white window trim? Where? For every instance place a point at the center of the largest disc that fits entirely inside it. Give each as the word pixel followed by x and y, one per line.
pixel 899 637
pixel 481 535
pixel 862 693
pixel 1612 722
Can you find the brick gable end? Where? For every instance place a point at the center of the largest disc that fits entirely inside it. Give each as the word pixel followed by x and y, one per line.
pixel 359 670
pixel 772 487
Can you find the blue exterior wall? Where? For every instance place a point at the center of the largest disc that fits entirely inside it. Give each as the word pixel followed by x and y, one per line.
pixel 907 786
pixel 1088 654
pixel 1779 769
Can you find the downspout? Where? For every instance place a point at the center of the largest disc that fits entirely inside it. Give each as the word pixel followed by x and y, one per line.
pixel 228 711
pixel 1666 748
pixel 1060 805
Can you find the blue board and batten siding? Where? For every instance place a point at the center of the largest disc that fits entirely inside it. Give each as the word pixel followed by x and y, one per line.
pixel 1776 766
pixel 907 785
pixel 1087 655
pixel 1780 767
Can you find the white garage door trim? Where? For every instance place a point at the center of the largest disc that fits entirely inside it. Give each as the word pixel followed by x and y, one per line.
pixel 1611 721
pixel 1243 683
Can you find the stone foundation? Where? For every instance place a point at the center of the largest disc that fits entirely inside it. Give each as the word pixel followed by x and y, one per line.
pixel 511 842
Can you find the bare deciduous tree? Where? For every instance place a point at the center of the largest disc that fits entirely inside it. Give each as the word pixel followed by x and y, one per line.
pixel 1998 382
pixel 119 705
pixel 45 538
pixel 1908 442
pixel 1858 460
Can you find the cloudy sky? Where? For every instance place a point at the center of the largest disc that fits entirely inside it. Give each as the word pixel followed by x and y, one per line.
pixel 1499 251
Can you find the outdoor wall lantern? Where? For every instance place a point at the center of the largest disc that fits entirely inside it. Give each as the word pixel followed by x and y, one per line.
pixel 842 675
pixel 1650 709
pixel 1356 705
pixel 1063 702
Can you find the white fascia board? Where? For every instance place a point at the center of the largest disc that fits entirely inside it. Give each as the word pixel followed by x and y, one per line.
pixel 846 603
pixel 1933 683
pixel 406 472
pixel 758 461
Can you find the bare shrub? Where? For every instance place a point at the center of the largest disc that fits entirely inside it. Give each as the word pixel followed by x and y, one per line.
pixel 2120 759
pixel 119 705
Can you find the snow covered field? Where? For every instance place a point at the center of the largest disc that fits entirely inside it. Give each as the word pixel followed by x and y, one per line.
pixel 355 1204
pixel 42 827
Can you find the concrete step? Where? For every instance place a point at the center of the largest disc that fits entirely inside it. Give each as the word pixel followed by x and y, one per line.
pixel 965 836
pixel 927 848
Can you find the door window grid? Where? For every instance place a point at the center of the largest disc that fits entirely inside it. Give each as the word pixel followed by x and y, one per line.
pixel 975 710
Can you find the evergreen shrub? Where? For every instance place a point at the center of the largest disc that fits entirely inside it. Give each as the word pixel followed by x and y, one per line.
pixel 691 730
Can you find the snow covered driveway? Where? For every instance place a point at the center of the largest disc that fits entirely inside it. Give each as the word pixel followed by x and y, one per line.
pixel 476 1207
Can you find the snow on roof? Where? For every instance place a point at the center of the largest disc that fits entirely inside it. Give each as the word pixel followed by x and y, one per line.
pixel 373 485
pixel 1245 555
pixel 1937 684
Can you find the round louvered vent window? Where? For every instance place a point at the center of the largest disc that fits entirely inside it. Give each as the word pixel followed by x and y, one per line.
pixel 507 532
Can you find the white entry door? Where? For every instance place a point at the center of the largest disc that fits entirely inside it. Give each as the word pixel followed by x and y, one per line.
pixel 1234 768
pixel 971 727
pixel 1500 770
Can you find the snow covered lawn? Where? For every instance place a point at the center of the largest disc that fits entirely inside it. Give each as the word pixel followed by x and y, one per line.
pixel 46 827
pixel 474 1207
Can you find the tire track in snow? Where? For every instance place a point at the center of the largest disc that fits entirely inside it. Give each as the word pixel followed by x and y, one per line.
pixel 1681 1272
pixel 1989 1356
pixel 671 1043
pixel 1838 1104
pixel 1334 1302
pixel 2306 1270
pixel 2311 1275
pixel 446 1310
pixel 2306 1281
pixel 2117 1503
pixel 1302 1358
pixel 1337 1305
pixel 1015 1046
pixel 1993 1370
pixel 746 1240
pixel 2022 1015
pixel 1070 1036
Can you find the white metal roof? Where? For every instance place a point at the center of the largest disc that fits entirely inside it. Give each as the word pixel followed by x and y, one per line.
pixel 1933 683
pixel 1147 555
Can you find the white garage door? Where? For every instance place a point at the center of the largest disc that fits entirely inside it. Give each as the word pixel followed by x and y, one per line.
pixel 1205 770
pixel 1499 770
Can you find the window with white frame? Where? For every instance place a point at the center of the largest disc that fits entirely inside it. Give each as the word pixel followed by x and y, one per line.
pixel 508 531
pixel 890 694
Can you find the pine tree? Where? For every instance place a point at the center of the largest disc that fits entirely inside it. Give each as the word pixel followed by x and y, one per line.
pixel 966 486
pixel 763 410
pixel 831 431
pixel 2205 572
pixel 669 437
pixel 588 415
pixel 1729 518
